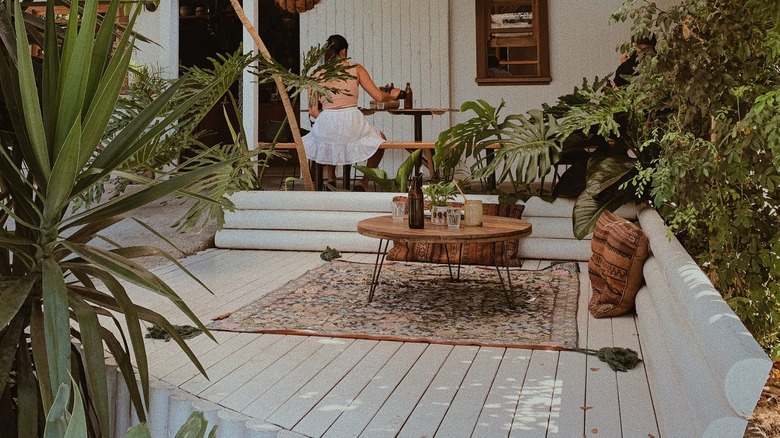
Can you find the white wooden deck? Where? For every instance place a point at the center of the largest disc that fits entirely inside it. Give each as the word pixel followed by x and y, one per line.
pixel 316 386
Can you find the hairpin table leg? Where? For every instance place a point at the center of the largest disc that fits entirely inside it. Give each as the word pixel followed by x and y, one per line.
pixel 380 260
pixel 507 289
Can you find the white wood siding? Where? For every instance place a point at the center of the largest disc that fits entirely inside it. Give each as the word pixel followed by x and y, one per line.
pixel 397 41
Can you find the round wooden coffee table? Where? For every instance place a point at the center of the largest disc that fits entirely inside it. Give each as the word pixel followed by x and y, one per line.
pixel 494 229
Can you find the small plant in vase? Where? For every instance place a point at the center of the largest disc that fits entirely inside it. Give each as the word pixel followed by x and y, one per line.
pixel 438 194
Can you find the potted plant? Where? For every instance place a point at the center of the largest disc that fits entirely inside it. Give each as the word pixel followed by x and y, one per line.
pixel 438 194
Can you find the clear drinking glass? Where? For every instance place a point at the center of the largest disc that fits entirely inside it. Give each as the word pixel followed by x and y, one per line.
pixel 453 217
pixel 398 208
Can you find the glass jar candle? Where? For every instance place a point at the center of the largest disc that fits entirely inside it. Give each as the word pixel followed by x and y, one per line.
pixel 472 213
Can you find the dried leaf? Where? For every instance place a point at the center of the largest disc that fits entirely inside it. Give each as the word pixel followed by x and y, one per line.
pixel 585 408
pixel 686 31
pixel 595 369
pixel 222 316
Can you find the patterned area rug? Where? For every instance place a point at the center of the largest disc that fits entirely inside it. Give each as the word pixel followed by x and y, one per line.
pixel 417 302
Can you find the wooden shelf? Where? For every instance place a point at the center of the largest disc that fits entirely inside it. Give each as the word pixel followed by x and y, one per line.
pixel 528 41
pixel 513 29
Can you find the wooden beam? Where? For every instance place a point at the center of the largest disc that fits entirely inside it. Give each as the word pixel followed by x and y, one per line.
pixel 288 109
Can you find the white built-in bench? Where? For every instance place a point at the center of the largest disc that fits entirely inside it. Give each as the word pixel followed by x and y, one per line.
pixel 310 221
pixel 705 370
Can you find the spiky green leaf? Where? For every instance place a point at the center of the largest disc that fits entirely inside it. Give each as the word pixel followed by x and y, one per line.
pixel 27 394
pixel 56 322
pixel 12 297
pixel 9 340
pixel 29 94
pixel 132 201
pixel 94 361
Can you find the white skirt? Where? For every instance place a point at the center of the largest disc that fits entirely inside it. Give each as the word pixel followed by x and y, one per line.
pixel 341 136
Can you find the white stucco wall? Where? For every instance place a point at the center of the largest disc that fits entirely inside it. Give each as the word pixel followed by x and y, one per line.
pixel 162 27
pixel 582 44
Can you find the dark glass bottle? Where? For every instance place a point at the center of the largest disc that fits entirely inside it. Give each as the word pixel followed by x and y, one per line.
pixel 408 98
pixel 415 200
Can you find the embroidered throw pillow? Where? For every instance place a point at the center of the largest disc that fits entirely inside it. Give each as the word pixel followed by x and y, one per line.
pixel 620 249
pixel 473 253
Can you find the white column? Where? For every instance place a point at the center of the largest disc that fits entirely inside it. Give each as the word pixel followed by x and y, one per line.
pixel 250 98
pixel 169 38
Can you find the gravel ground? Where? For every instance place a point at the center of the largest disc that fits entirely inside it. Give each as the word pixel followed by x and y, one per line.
pixel 160 216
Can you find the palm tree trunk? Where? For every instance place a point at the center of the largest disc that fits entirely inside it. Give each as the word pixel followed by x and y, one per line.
pixel 288 109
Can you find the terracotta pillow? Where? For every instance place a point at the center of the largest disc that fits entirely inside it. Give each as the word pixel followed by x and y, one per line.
pixel 473 253
pixel 619 252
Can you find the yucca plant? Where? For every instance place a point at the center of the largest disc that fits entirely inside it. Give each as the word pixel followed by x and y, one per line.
pixel 163 156
pixel 164 152
pixel 60 297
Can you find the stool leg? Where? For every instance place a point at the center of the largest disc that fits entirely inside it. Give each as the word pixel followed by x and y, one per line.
pixel 347 177
pixel 319 186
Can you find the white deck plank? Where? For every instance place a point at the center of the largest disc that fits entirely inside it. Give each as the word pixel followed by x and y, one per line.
pixel 633 389
pixel 188 261
pixel 261 382
pixel 369 258
pixel 583 315
pixel 567 416
pixel 530 265
pixel 360 412
pixel 247 371
pixel 391 417
pixel 177 376
pixel 499 410
pixel 165 360
pixel 183 284
pixel 430 411
pixel 292 411
pixel 227 273
pixel 290 384
pixel 603 413
pixel 214 270
pixel 260 286
pixel 248 283
pixel 339 399
pixel 536 397
pixel 446 391
pixel 258 343
pixel 465 408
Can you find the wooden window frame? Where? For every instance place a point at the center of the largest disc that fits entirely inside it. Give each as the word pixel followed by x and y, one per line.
pixel 541 41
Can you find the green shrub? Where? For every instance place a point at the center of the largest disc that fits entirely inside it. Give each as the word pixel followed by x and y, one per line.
pixel 713 92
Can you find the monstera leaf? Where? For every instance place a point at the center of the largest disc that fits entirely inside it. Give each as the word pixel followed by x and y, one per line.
pixel 527 149
pixel 523 148
pixel 462 139
pixel 603 191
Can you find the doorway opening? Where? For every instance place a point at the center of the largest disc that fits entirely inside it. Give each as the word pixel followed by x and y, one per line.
pixel 208 28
